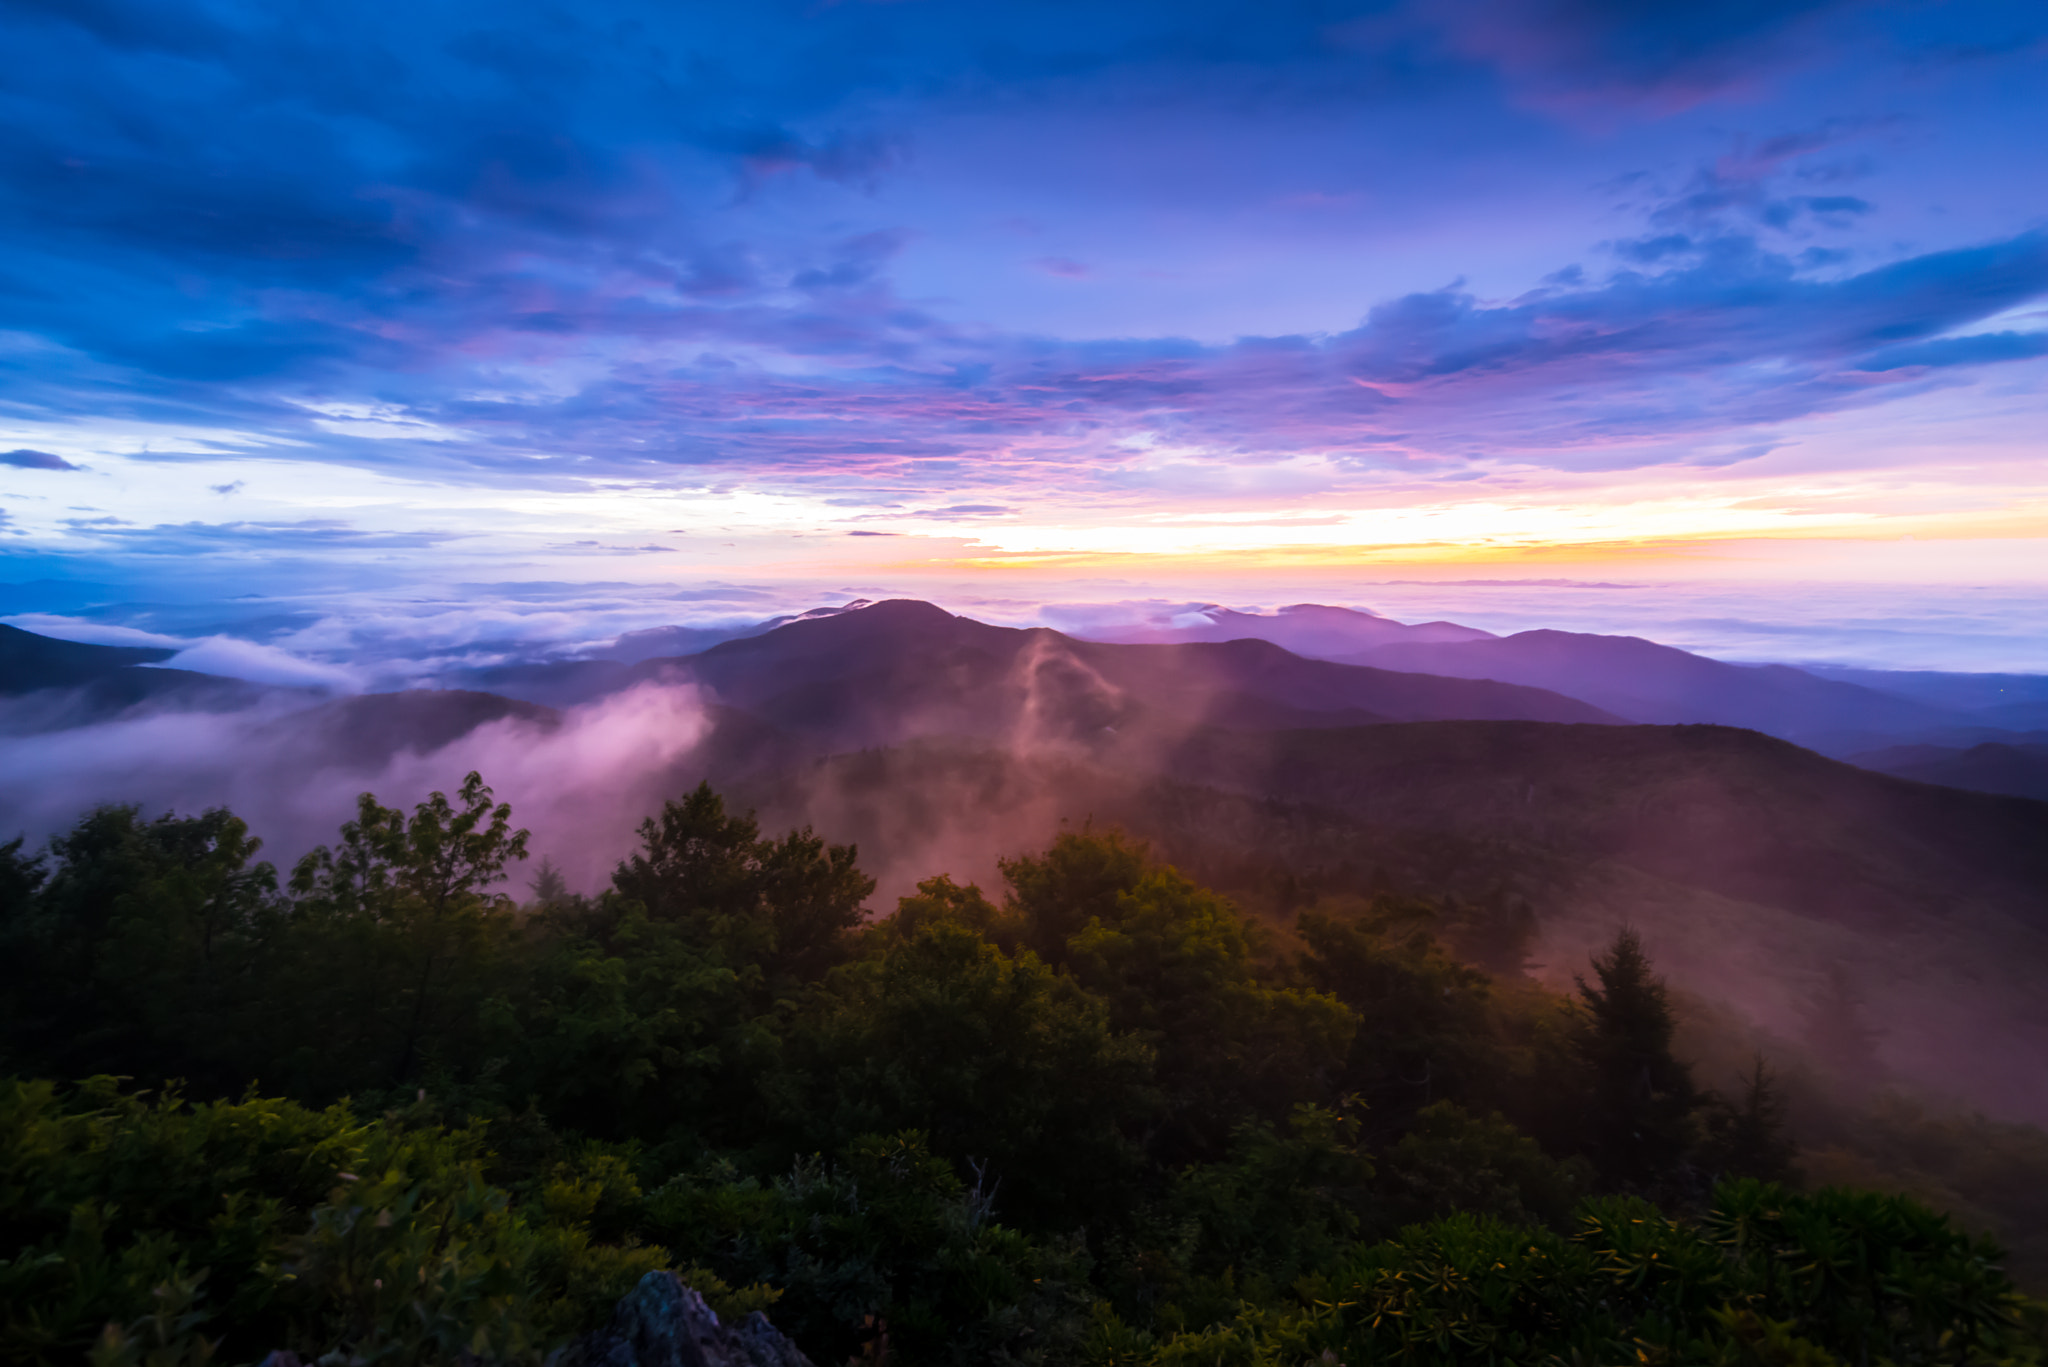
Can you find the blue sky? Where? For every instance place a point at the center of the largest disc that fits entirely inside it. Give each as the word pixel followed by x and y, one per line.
pixel 314 297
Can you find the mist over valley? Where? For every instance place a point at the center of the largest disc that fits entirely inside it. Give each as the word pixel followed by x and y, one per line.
pixel 1593 781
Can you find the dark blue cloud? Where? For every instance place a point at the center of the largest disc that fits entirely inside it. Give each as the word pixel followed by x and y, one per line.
pixel 1977 349
pixel 586 242
pixel 24 459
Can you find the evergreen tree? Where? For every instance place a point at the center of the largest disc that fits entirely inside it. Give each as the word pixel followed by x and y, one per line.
pixel 782 906
pixel 550 889
pixel 1643 1096
pixel 1747 1137
pixel 1840 1038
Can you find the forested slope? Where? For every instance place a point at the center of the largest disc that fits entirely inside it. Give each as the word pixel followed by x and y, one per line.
pixel 1099 1117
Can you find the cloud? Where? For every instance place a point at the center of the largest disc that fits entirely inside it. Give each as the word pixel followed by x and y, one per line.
pixel 94 633
pixel 1575 55
pixel 24 459
pixel 1064 267
pixel 303 534
pixel 581 783
pixel 239 659
pixel 1977 349
pixel 618 246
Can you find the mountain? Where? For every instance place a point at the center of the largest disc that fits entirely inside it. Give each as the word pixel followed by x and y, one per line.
pixel 1311 629
pixel 1647 682
pixel 29 662
pixel 1992 767
pixel 53 685
pixel 1752 868
pixel 1975 693
pixel 565 683
pixel 903 668
pixel 363 733
pixel 556 683
pixel 659 642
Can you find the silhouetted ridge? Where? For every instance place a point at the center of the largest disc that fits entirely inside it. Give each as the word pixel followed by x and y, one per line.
pixel 1647 682
pixel 29 662
pixel 902 668
pixel 1992 767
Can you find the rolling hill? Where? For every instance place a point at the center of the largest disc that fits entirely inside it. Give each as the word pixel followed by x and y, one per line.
pixel 1647 682
pixel 1312 629
pixel 1989 767
pixel 898 669
pixel 29 662
pixel 1752 868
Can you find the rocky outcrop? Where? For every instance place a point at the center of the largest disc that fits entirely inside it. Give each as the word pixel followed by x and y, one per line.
pixel 663 1323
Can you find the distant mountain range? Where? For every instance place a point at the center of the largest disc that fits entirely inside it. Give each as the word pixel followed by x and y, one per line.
pixel 1312 629
pixel 950 674
pixel 1647 682
pixel 939 742
pixel 1991 767
pixel 883 672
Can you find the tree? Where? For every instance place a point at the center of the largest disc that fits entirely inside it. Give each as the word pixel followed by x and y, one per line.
pixel 438 862
pixel 407 931
pixel 1178 965
pixel 1423 1018
pixel 1643 1096
pixel 549 887
pixel 1056 894
pixel 999 1059
pixel 137 953
pixel 782 906
pixel 1838 1034
pixel 1747 1137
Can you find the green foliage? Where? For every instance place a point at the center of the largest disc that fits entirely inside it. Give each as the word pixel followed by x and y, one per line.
pixel 439 861
pixel 1108 1118
pixel 625 1026
pixel 139 1226
pixel 1425 1029
pixel 1283 1203
pixel 884 1249
pixel 137 953
pixel 1004 1064
pixel 1769 1277
pixel 1054 895
pixel 783 906
pixel 1178 966
pixel 1452 1160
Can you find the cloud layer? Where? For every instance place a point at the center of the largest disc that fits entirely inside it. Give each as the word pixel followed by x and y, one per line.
pixel 942 269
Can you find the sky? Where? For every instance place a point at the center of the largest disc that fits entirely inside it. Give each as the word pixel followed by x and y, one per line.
pixel 344 307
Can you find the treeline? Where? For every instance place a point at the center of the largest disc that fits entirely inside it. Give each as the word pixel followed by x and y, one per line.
pixel 382 1110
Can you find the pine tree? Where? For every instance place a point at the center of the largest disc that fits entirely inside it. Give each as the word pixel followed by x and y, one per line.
pixel 549 887
pixel 1747 1137
pixel 1643 1095
pixel 1840 1038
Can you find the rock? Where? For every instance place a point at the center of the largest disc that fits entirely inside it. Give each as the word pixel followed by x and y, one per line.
pixel 663 1323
